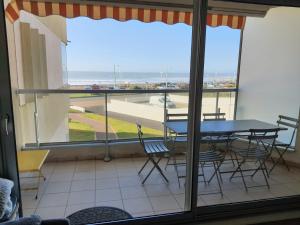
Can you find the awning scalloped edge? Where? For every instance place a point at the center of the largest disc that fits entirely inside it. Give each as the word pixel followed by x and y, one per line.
pixel 72 10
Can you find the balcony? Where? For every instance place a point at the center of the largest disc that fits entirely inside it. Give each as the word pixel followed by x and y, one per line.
pixel 74 185
pixel 95 155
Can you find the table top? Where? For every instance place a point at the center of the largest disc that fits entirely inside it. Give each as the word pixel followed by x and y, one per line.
pixel 32 160
pixel 221 126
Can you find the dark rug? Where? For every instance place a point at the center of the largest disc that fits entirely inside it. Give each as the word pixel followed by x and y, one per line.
pixel 98 215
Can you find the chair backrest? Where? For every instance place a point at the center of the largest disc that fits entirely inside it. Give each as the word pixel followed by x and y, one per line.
pixel 258 137
pixel 176 116
pixel 140 134
pixel 290 123
pixel 214 116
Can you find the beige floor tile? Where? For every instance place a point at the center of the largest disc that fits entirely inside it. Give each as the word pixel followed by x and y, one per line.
pixel 170 211
pixel 106 183
pixel 157 190
pixel 58 187
pixel 83 163
pixel 133 192
pixel 176 190
pixel 156 179
pixel 215 199
pixel 281 190
pixel 143 214
pixel 138 205
pixel 85 167
pixel 74 208
pixel 47 169
pixel 260 193
pixel 55 177
pixel 164 203
pixel 83 185
pixel 130 181
pixel 100 174
pixel 119 179
pixel 117 204
pixel 29 202
pixel 63 169
pixel 104 166
pixel 51 212
pixel 49 200
pixel 127 172
pixel 200 201
pixel 108 195
pixel 294 187
pixel 84 175
pixel 180 200
pixel 238 195
pixel 81 197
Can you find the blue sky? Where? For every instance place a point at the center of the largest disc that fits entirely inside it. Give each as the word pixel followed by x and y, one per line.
pixel 96 45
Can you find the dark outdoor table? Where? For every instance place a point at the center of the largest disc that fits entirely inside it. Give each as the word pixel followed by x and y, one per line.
pixel 234 126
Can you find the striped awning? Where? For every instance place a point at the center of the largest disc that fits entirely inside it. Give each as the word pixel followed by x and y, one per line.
pixel 98 11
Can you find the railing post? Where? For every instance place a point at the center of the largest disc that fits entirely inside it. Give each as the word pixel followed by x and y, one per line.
pixel 165 116
pixel 36 121
pixel 217 102
pixel 107 157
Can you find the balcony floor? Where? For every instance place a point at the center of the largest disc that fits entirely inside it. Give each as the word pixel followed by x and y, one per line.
pixel 74 185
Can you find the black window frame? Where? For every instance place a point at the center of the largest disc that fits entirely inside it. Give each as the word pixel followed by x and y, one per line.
pixel 8 167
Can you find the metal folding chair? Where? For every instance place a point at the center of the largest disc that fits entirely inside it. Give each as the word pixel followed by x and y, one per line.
pixel 213 159
pixel 256 152
pixel 280 147
pixel 153 150
pixel 175 158
pixel 214 140
pixel 214 116
pixel 221 138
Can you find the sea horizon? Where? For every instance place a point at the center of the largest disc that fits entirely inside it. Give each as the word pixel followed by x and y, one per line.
pixel 105 78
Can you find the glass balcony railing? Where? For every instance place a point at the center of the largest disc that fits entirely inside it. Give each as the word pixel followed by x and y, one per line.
pixel 104 116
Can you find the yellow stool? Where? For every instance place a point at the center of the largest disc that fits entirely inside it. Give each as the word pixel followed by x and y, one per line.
pixel 31 161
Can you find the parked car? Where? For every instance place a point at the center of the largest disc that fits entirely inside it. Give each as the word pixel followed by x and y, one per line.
pixel 160 101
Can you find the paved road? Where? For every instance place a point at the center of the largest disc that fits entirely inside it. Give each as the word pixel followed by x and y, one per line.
pixel 133 119
pixel 98 126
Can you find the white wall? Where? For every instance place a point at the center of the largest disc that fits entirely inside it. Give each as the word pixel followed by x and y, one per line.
pixel 270 67
pixel 53 111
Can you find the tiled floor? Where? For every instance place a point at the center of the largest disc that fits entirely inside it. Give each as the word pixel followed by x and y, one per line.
pixel 75 185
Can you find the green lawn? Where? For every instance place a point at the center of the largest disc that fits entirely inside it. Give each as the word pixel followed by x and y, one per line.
pixel 80 131
pixel 123 128
pixel 81 95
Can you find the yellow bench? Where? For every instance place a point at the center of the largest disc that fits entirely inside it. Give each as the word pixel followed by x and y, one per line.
pixel 32 161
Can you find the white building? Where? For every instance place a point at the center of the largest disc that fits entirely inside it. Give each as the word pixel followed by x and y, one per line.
pixel 38 61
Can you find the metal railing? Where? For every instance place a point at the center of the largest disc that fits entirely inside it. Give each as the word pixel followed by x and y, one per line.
pixel 106 94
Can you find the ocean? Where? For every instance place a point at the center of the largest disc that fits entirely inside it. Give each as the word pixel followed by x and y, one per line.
pixel 93 77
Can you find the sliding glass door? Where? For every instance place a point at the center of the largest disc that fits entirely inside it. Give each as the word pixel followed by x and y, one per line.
pixel 252 84
pixel 8 168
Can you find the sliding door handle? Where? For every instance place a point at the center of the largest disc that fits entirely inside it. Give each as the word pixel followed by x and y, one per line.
pixel 6 125
pixel 5 121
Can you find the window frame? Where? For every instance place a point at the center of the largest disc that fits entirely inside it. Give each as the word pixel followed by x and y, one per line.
pixel 204 213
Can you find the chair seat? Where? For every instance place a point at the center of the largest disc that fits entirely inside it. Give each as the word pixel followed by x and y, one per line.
pixel 216 139
pixel 156 147
pixel 252 153
pixel 210 156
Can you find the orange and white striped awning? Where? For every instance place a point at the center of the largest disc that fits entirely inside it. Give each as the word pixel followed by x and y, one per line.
pixel 98 11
